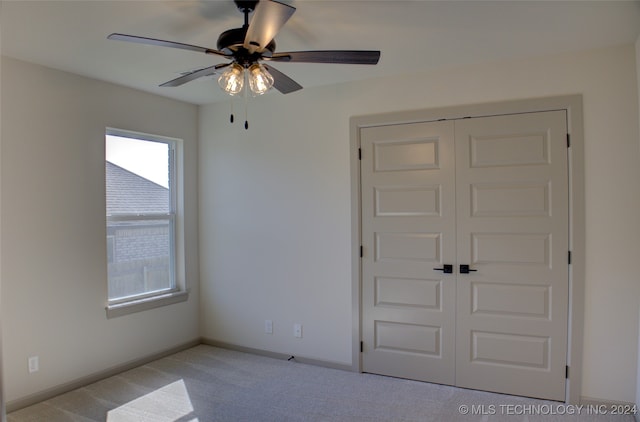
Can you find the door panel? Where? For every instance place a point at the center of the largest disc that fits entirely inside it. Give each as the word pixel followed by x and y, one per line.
pixel 408 229
pixel 407 201
pixel 512 228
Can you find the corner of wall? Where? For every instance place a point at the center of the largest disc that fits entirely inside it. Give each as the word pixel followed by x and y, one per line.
pixel 638 366
pixel 3 416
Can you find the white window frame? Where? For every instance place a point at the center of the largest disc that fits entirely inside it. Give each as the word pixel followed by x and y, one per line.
pixel 178 292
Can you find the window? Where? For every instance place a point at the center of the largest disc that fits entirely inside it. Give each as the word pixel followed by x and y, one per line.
pixel 140 175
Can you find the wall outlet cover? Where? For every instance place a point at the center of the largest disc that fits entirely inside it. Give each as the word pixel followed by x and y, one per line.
pixel 34 364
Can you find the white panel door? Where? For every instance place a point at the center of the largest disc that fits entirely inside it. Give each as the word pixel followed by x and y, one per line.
pixel 512 230
pixel 488 193
pixel 408 229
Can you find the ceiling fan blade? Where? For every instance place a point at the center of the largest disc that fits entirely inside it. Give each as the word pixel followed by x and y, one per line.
pixel 282 82
pixel 267 20
pixel 163 43
pixel 328 56
pixel 207 71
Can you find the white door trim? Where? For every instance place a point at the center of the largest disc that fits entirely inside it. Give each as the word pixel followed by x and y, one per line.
pixel 573 105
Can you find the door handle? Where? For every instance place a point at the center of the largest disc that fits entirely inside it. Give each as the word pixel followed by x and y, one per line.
pixel 464 269
pixel 446 268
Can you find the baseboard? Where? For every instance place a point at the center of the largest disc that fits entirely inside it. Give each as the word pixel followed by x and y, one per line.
pixel 277 355
pixel 610 405
pixel 38 397
pixel 590 401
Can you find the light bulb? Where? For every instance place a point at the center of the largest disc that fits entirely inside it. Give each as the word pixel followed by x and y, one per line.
pixel 232 80
pixel 260 81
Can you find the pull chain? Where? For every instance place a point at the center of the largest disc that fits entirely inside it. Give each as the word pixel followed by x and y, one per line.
pixel 231 116
pixel 246 107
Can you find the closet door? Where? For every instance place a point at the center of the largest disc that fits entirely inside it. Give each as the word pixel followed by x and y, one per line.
pixel 512 232
pixel 488 196
pixel 408 230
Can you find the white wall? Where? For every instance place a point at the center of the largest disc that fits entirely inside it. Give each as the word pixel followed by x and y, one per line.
pixel 3 416
pixel 275 205
pixel 638 351
pixel 54 286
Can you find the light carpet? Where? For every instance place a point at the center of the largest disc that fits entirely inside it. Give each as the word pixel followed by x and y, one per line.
pixel 206 383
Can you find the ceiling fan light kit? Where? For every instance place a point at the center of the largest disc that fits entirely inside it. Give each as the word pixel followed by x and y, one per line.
pixel 232 80
pixel 260 81
pixel 250 44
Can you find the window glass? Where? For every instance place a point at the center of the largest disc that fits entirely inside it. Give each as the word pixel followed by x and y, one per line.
pixel 140 209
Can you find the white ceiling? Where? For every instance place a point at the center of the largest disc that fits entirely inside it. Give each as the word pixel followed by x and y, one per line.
pixel 412 36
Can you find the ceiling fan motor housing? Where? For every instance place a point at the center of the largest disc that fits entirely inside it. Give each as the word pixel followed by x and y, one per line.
pixel 232 42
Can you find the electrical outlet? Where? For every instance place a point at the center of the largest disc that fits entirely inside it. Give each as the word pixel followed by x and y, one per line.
pixel 34 364
pixel 297 330
pixel 268 326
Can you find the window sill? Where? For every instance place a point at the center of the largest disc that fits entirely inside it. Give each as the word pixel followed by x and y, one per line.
pixel 145 304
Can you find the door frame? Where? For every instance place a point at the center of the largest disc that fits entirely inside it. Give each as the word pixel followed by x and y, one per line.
pixel 572 104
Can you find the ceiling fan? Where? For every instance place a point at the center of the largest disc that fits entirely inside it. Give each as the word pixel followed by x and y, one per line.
pixel 248 46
